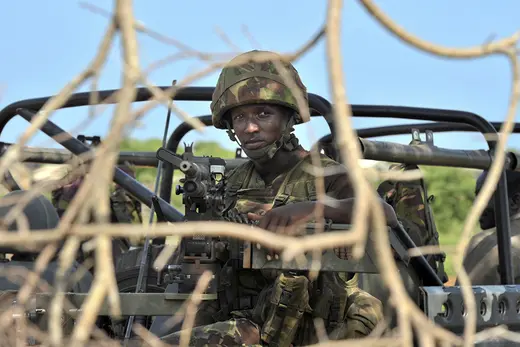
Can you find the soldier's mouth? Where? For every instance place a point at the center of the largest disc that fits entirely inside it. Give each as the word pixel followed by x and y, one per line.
pixel 256 144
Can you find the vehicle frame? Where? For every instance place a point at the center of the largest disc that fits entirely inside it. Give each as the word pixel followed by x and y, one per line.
pixel 442 120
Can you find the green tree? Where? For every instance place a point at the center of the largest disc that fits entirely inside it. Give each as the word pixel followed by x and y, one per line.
pixel 454 192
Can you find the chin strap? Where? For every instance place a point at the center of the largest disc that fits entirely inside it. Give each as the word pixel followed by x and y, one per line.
pixel 288 141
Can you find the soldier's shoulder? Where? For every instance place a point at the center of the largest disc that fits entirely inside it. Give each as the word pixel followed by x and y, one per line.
pixel 325 161
pixel 239 170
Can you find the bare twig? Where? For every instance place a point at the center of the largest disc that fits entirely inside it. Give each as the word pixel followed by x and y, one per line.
pixel 191 309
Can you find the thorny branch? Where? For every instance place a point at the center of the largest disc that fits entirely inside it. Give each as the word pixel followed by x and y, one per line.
pixel 92 196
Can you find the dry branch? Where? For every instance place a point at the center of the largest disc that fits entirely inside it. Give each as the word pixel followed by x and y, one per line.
pixel 92 196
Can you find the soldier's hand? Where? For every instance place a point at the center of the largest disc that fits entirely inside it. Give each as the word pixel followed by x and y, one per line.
pixel 284 219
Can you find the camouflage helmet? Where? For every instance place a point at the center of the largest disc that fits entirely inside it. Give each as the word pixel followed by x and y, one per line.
pixel 243 81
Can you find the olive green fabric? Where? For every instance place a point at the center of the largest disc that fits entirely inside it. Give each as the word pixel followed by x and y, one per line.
pixel 125 208
pixel 246 188
pixel 221 334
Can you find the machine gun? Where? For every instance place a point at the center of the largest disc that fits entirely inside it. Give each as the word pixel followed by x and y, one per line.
pixel 202 187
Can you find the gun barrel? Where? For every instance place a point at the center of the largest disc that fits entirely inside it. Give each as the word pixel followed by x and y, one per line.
pixel 188 169
pixel 77 147
pixel 193 170
pixel 432 155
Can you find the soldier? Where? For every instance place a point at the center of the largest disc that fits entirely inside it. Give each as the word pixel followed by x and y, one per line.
pixel 481 258
pixel 254 105
pixel 62 196
pixel 125 208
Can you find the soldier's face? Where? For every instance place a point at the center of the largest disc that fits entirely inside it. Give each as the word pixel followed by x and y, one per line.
pixel 260 125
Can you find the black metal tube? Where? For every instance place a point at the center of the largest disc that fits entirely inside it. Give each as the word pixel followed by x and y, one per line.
pixel 77 147
pixel 431 155
pixel 503 225
pixel 83 99
pixel 61 156
pixel 405 129
pixel 430 277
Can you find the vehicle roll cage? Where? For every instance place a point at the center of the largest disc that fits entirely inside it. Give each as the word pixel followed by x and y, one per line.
pixel 444 120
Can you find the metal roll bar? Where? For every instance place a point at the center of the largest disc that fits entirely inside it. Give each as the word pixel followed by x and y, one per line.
pixel 318 106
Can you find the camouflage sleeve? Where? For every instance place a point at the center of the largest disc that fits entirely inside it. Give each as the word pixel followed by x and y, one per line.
pixel 125 208
pixel 63 196
pixel 287 303
pixel 362 311
pixel 410 210
pixel 409 205
pixel 338 186
pixel 363 314
pixel 135 206
pixel 233 332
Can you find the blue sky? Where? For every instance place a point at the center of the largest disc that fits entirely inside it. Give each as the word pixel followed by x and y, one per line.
pixel 46 43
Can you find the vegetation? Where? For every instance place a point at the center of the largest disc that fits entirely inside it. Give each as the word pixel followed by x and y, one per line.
pixel 454 191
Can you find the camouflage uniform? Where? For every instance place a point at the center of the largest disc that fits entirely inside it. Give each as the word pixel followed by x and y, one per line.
pixel 410 202
pixel 62 197
pixel 125 208
pixel 278 309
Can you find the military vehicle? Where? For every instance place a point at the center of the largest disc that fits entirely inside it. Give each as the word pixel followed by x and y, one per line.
pixel 150 296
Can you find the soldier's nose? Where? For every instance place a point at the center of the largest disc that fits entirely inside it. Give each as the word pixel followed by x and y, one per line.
pixel 251 127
